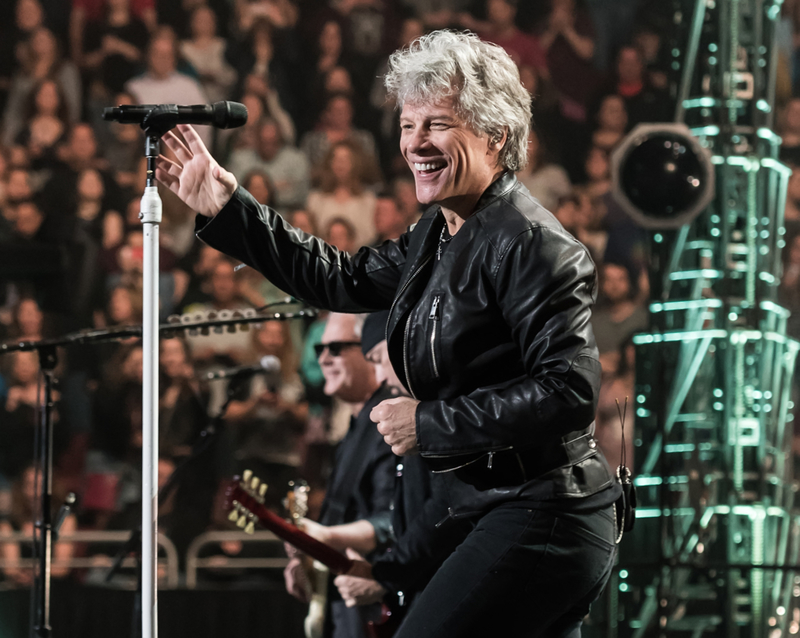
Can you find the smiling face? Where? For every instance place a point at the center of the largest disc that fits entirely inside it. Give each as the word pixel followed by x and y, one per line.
pixel 348 376
pixel 452 164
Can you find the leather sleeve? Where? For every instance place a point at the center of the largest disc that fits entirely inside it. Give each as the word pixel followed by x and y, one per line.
pixel 302 265
pixel 544 285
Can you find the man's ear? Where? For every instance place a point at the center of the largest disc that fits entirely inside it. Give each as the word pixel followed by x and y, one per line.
pixel 497 142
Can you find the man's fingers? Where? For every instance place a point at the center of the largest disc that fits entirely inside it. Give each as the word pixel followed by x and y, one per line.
pixel 382 411
pixel 168 165
pixel 384 428
pixel 176 146
pixel 193 140
pixel 224 177
pixel 170 181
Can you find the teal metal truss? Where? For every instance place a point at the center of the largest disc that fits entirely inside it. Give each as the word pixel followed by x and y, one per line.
pixel 715 551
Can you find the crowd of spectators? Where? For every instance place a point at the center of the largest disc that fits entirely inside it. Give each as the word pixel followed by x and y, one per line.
pixel 320 146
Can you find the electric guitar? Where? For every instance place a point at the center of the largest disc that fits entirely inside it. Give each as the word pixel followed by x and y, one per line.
pixel 244 497
pixel 315 573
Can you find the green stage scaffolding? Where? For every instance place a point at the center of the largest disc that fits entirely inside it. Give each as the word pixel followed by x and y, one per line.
pixel 716 548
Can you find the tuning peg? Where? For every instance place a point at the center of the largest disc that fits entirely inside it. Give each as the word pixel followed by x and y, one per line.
pixel 247 475
pixel 249 528
pixel 254 483
pixel 233 516
pixel 241 522
pixel 262 490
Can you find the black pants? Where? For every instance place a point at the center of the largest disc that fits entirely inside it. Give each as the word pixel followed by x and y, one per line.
pixel 520 573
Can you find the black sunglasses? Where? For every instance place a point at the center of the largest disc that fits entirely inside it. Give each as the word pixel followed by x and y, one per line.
pixel 334 347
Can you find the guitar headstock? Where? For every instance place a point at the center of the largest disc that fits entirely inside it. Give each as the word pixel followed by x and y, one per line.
pixel 296 501
pixel 206 322
pixel 243 496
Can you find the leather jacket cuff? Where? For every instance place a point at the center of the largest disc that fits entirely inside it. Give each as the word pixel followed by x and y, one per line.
pixel 201 222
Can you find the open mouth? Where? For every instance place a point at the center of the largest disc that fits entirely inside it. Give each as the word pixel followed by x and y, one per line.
pixel 429 168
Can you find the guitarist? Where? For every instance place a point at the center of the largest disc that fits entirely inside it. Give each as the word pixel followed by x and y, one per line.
pixel 408 564
pixel 360 487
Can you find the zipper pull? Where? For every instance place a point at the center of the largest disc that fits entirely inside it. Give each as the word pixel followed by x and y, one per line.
pixel 435 308
pixel 491 458
pixel 449 515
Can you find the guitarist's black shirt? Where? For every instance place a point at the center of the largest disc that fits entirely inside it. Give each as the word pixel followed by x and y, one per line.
pixel 362 482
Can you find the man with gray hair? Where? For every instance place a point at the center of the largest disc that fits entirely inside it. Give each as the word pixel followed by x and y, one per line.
pixel 489 330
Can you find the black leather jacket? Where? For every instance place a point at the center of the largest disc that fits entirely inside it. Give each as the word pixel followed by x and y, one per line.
pixel 494 339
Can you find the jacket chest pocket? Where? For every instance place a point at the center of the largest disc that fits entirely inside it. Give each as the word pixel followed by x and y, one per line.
pixel 435 336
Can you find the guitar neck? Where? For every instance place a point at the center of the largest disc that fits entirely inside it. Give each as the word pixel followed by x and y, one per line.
pixel 334 560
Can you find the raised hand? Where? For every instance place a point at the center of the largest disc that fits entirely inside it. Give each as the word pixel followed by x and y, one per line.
pixel 198 179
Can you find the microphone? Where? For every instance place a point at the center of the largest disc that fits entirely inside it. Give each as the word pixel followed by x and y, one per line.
pixel 66 508
pixel 269 364
pixel 219 114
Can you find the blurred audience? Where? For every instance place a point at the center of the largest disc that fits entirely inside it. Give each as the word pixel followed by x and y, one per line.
pixel 343 193
pixel 310 75
pixel 24 508
pixel 162 83
pixel 286 166
pixel 617 314
pixel 548 182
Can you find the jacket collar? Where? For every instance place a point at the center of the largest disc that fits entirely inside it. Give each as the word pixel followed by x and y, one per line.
pixel 499 187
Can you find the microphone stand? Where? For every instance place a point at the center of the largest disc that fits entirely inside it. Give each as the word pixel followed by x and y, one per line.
pixel 45 532
pixel 44 526
pixel 204 441
pixel 160 120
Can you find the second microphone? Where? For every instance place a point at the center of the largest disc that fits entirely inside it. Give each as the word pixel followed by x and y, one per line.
pixel 268 364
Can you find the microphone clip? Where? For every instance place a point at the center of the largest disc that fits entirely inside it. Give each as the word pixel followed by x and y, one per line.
pixel 161 119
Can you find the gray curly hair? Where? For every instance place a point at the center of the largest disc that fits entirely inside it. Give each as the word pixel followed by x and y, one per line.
pixel 482 79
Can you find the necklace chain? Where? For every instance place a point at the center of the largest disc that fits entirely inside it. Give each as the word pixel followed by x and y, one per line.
pixel 442 240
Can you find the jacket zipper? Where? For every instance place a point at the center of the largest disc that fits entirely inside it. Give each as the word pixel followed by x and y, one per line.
pixel 435 317
pixel 490 454
pixel 405 332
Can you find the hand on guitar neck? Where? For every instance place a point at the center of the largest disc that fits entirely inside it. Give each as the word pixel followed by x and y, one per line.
pixel 245 500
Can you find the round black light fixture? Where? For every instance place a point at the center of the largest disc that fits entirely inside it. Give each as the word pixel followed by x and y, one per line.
pixel 662 176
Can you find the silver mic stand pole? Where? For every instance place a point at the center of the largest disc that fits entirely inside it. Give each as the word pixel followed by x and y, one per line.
pixel 150 215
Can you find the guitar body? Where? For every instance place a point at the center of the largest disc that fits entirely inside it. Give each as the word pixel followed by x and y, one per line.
pixel 315 573
pixel 314 623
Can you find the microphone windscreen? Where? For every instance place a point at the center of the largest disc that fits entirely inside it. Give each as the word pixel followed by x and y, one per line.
pixel 270 363
pixel 230 114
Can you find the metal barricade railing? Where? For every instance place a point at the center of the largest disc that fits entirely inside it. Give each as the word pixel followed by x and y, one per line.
pixel 194 562
pixel 87 562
